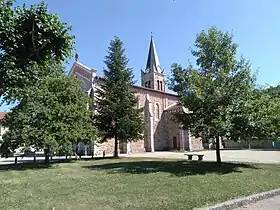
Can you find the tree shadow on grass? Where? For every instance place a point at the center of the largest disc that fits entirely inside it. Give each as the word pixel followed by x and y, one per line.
pixel 177 168
pixel 29 164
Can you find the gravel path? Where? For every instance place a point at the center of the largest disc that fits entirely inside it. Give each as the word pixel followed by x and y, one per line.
pixel 268 204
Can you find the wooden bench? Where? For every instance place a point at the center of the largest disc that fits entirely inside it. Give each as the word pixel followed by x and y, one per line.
pixel 200 157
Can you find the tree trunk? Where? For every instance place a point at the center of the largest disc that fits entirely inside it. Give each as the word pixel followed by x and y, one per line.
pixel 218 154
pixel 116 152
pixel 47 156
pixel 92 151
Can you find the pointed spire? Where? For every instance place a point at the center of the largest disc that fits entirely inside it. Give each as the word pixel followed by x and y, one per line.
pixel 152 61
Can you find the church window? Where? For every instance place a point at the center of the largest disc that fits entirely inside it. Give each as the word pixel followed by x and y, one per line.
pixel 158 84
pixel 146 84
pixel 149 84
pixel 157 111
pixel 161 85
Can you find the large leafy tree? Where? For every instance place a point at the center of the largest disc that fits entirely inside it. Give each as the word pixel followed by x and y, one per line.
pixel 117 114
pixel 53 116
pixel 28 36
pixel 256 118
pixel 212 88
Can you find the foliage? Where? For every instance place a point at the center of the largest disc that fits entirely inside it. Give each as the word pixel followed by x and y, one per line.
pixel 273 91
pixel 53 116
pixel 117 113
pixel 256 118
pixel 212 89
pixel 29 36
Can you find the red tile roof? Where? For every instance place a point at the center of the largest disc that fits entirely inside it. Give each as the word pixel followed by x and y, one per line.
pixel 2 115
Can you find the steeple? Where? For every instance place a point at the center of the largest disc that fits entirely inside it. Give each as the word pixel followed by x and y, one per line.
pixel 153 76
pixel 152 61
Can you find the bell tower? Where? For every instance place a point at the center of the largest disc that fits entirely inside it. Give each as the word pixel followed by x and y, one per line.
pixel 153 76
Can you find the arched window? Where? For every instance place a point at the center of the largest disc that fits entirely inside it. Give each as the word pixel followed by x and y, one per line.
pixel 149 84
pixel 157 111
pixel 158 84
pixel 161 85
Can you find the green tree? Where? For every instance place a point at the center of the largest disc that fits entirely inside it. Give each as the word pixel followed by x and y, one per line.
pixel 53 116
pixel 273 91
pixel 116 105
pixel 213 88
pixel 28 36
pixel 256 118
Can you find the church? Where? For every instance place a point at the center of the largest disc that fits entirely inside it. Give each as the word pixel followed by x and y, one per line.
pixel 162 132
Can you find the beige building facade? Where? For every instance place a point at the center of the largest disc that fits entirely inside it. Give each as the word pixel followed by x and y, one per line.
pixel 161 132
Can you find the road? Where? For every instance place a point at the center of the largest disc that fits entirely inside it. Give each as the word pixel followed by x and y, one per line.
pixel 268 204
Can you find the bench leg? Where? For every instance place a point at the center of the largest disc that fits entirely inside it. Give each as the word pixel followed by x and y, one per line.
pixel 189 157
pixel 200 157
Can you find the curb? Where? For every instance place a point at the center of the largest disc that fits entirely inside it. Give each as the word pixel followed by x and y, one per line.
pixel 235 203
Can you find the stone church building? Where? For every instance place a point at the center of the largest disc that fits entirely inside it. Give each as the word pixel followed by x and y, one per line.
pixel 161 131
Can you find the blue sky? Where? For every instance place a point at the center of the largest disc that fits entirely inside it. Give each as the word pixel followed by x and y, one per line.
pixel 255 25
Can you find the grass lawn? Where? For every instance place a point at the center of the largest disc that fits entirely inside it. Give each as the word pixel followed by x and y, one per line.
pixel 132 183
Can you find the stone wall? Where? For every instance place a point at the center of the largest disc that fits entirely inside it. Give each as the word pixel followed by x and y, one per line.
pixel 197 143
pixel 160 134
pixel 108 146
pixel 173 131
pixel 159 101
pixel 137 146
pixel 84 74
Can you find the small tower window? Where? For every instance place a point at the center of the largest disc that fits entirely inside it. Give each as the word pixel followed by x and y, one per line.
pixel 146 84
pixel 158 84
pixel 149 84
pixel 157 111
pixel 161 85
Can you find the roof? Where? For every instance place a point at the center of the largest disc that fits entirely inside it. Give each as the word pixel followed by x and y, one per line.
pixel 2 115
pixel 173 107
pixel 143 88
pixel 82 66
pixel 153 64
pixel 177 107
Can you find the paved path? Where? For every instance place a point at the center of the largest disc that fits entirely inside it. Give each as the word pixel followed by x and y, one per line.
pixel 268 204
pixel 253 156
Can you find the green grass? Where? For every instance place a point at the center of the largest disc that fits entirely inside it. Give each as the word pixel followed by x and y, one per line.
pixel 131 184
